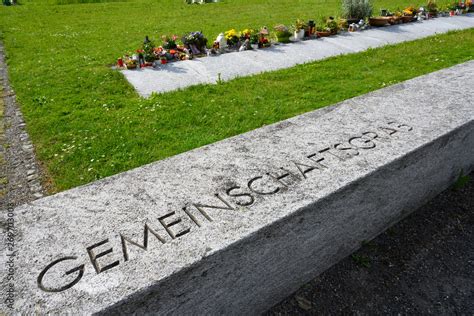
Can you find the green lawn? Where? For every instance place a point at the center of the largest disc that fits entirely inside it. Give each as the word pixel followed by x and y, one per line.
pixel 87 122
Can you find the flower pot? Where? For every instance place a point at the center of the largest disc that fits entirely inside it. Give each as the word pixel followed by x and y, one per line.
pixel 131 65
pixel 407 18
pixel 254 46
pixel 323 34
pixel 299 35
pixel 380 21
pixel 395 20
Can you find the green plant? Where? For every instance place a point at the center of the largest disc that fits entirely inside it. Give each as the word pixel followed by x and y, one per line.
pixel 300 25
pixel 361 260
pixel 148 48
pixel 332 25
pixel 169 42
pixel 254 38
pixel 282 33
pixel 232 37
pixel 461 181
pixel 356 9
pixel 432 6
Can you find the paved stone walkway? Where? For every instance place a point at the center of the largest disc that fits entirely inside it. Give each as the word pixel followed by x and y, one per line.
pixel 182 74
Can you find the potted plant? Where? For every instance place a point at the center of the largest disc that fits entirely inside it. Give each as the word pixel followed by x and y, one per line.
pixel 322 29
pixel 282 34
pixel 169 42
pixel 408 14
pixel 299 29
pixel 252 35
pixel 397 17
pixel 195 42
pixel 384 19
pixel 432 8
pixel 332 25
pixel 233 39
pixel 148 50
pixel 263 38
pixel 355 10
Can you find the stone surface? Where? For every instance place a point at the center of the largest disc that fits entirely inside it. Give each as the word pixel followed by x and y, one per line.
pixel 354 169
pixel 182 74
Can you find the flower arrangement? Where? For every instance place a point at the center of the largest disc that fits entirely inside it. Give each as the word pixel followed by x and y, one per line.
pixel 409 11
pixel 300 25
pixel 250 34
pixel 263 40
pixel 147 50
pixel 232 37
pixel 246 34
pixel 332 25
pixel 196 42
pixel 169 42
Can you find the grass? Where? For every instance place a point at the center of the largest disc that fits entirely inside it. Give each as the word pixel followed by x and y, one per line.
pixel 87 122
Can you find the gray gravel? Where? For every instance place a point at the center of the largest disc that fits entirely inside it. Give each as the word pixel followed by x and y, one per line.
pixel 19 169
pixel 422 265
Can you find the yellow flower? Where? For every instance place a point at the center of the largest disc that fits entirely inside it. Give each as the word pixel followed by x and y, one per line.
pixel 231 34
pixel 247 32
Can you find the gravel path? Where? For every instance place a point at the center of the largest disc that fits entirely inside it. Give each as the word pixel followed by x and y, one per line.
pixel 20 176
pixel 422 265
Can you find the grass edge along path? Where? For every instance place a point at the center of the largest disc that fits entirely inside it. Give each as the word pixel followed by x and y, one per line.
pixel 106 140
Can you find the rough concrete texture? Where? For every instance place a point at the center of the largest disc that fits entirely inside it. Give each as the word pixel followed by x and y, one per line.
pixel 182 74
pixel 349 172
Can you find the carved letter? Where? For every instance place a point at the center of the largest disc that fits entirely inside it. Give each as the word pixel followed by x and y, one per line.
pixel 172 223
pixel 201 207
pixel 94 257
pixel 65 287
pixel 126 240
pixel 304 168
pixel 362 143
pixel 401 127
pixel 250 201
pixel 388 130
pixel 282 176
pixel 348 151
pixel 260 192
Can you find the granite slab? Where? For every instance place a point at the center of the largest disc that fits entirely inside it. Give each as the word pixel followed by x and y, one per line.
pixel 235 226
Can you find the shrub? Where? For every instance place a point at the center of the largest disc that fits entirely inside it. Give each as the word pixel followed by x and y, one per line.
pixel 356 9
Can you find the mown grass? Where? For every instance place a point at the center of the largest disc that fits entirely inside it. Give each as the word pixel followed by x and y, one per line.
pixel 87 122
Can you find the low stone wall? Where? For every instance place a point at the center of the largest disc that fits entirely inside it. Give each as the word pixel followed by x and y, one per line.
pixel 236 226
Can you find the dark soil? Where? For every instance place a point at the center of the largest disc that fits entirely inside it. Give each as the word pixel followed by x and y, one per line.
pixel 422 265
